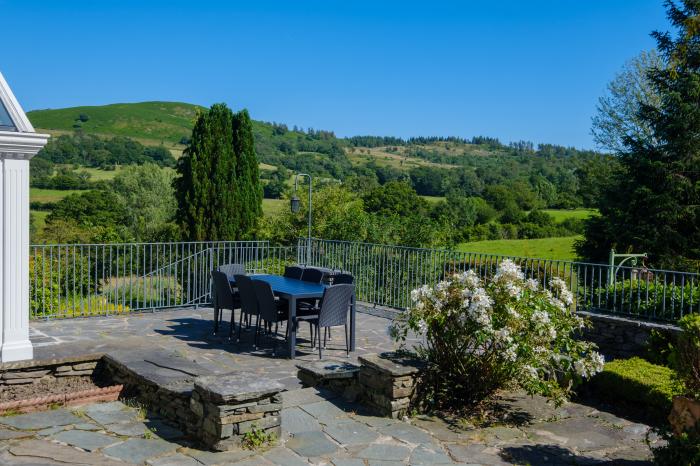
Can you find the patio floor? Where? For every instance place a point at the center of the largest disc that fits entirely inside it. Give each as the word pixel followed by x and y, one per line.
pixel 317 427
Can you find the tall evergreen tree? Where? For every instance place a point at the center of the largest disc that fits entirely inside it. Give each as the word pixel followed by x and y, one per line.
pixel 654 204
pixel 205 188
pixel 248 189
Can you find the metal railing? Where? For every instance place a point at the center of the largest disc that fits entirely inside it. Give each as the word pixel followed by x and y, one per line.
pixel 76 280
pixel 79 280
pixel 385 275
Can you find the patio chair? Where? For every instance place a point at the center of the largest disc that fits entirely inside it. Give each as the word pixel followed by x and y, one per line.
pixel 270 310
pixel 333 312
pixel 312 275
pixel 223 298
pixel 343 279
pixel 231 270
pixel 293 271
pixel 249 302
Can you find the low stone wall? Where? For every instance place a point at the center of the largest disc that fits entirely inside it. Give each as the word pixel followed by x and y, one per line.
pixel 228 407
pixel 217 410
pixel 27 372
pixel 620 337
pixel 337 376
pixel 388 383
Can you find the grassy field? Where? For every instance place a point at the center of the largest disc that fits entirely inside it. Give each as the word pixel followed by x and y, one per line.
pixel 274 206
pixel 544 248
pixel 562 214
pixel 433 199
pixel 39 218
pixel 49 195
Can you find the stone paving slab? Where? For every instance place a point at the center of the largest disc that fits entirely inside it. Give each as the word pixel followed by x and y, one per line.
pixel 139 450
pixel 41 420
pixel 85 440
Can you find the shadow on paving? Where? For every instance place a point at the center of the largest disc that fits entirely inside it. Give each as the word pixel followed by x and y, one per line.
pixel 555 455
pixel 198 333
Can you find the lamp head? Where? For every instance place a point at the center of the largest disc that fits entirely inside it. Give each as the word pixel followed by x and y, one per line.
pixel 294 204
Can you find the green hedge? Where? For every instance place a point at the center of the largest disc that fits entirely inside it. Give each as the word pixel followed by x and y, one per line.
pixel 638 382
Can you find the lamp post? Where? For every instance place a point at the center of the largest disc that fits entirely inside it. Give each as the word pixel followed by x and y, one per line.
pixel 295 206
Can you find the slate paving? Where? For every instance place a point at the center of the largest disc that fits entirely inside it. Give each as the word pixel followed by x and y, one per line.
pixel 318 427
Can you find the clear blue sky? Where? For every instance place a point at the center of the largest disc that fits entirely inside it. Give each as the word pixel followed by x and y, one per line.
pixel 512 69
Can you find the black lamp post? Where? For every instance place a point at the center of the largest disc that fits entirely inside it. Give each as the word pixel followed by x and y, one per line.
pixel 295 205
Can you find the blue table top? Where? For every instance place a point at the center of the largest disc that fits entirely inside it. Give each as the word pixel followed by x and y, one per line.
pixel 292 286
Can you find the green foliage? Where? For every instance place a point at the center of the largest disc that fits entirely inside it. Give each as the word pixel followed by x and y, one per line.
pixel 93 151
pixel 652 205
pixel 685 357
pixel 651 297
pixel 94 207
pixel 147 194
pixel 682 450
pixel 218 191
pixel 257 438
pixel 637 382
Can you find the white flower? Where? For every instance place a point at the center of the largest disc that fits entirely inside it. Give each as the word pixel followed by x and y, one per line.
pixel 510 354
pixel 422 326
pixel 442 286
pixel 580 368
pixel 512 312
pixel 531 284
pixel 513 290
pixel 597 362
pixel 566 297
pixel 557 284
pixel 508 271
pixel 540 317
pixel 530 372
pixel 469 278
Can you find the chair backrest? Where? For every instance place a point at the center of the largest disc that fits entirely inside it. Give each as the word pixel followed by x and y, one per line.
pixel 293 271
pixel 266 300
pixel 343 279
pixel 335 305
pixel 249 303
pixel 231 270
pixel 312 275
pixel 223 297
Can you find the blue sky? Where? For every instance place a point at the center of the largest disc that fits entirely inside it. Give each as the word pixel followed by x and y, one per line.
pixel 511 69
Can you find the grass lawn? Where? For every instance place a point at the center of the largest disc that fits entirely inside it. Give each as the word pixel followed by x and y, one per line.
pixel 274 206
pixel 39 218
pixel 543 248
pixel 433 199
pixel 562 214
pixel 50 195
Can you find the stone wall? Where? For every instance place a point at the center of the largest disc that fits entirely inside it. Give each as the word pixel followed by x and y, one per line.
pixel 388 383
pixel 620 337
pixel 27 372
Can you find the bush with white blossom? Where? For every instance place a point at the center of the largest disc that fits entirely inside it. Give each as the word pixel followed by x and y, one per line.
pixel 503 333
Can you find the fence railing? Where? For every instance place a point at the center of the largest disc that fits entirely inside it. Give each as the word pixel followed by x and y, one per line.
pixel 77 280
pixel 385 275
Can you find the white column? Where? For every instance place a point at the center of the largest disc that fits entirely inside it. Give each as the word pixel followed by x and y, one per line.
pixel 14 257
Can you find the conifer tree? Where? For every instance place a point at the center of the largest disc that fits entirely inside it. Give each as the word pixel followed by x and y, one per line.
pixel 205 187
pixel 248 188
pixel 653 205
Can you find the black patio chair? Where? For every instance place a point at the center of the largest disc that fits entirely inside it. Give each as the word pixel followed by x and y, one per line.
pixel 270 311
pixel 293 271
pixel 249 302
pixel 231 270
pixel 223 298
pixel 343 279
pixel 333 312
pixel 312 275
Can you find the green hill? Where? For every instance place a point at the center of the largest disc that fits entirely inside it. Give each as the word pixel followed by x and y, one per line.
pixel 165 122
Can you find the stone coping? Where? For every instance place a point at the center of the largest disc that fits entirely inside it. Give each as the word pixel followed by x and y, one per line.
pixel 33 363
pixel 330 369
pixel 235 387
pixel 392 363
pixel 629 321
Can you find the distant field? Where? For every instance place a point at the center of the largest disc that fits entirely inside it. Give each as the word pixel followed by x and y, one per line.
pixel 97 174
pixel 562 214
pixel 274 206
pixel 50 195
pixel 433 199
pixel 39 218
pixel 544 248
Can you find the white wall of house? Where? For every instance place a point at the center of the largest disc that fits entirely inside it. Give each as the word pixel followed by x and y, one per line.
pixel 18 144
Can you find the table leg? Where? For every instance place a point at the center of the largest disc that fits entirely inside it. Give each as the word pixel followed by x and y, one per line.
pixel 352 324
pixel 292 326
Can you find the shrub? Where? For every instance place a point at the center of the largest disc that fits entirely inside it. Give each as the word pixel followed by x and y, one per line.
pixel 681 450
pixel 685 357
pixel 505 333
pixel 636 381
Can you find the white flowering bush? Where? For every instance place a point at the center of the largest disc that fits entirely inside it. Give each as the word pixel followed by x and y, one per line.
pixel 506 332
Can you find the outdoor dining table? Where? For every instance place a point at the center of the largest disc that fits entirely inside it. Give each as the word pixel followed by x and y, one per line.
pixel 292 290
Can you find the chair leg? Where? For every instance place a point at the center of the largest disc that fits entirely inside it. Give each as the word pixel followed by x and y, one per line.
pixel 240 326
pixel 216 320
pixel 318 336
pixel 257 328
pixel 274 345
pixel 347 340
pixel 325 334
pixel 312 332
pixel 233 321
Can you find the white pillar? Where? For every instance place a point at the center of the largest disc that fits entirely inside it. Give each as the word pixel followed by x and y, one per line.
pixel 18 144
pixel 14 256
